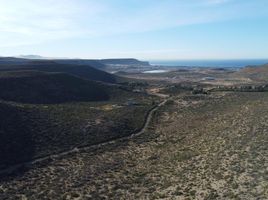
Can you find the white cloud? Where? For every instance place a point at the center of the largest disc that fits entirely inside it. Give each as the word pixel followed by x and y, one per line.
pixel 37 21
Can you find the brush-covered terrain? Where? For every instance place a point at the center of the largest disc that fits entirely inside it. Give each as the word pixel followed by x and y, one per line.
pixel 254 73
pixel 47 88
pixel 31 131
pixel 47 109
pixel 200 142
pixel 198 147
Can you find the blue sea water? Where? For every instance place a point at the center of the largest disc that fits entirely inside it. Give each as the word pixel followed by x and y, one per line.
pixel 209 63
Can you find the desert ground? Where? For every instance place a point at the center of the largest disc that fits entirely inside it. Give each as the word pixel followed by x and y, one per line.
pixel 197 142
pixel 196 147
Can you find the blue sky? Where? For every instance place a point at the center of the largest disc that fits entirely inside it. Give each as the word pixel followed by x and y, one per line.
pixel 144 29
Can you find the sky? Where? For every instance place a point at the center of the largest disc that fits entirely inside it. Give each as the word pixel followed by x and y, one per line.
pixel 143 29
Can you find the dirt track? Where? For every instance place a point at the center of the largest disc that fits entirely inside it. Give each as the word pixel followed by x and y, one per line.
pixel 147 121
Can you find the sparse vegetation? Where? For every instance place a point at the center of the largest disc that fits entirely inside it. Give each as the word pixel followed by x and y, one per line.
pixel 198 145
pixel 44 113
pixel 211 147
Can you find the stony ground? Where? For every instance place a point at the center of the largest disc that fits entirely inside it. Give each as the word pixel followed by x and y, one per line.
pixel 198 147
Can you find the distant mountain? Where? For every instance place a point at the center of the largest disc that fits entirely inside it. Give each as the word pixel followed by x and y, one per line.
pixel 124 61
pixel 257 73
pixel 31 57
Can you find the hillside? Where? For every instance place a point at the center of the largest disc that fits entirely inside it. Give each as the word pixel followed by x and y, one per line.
pixel 255 73
pixel 197 147
pixel 47 107
pixel 101 63
pixel 46 88
pixel 82 71
pixel 86 68
pixel 43 113
pixel 33 131
pixel 94 63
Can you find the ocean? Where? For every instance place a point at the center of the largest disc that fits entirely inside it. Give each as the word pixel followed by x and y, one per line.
pixel 209 63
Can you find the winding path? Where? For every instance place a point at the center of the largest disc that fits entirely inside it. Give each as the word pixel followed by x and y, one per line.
pixel 147 121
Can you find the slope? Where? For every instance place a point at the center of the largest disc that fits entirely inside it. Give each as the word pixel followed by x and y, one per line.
pixel 82 71
pixel 47 88
pixel 255 73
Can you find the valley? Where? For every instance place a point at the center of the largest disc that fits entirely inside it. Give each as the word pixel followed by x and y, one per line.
pixel 146 136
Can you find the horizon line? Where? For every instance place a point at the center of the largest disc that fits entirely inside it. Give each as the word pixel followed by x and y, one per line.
pixel 142 59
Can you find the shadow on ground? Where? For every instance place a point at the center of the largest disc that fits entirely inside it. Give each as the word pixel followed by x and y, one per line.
pixel 16 144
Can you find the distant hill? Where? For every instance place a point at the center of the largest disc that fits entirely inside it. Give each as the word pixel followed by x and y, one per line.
pixel 46 88
pixel 256 73
pixel 94 63
pixel 31 57
pixel 103 63
pixel 27 59
pixel 84 68
pixel 108 65
pixel 124 61
pixel 12 61
pixel 82 71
